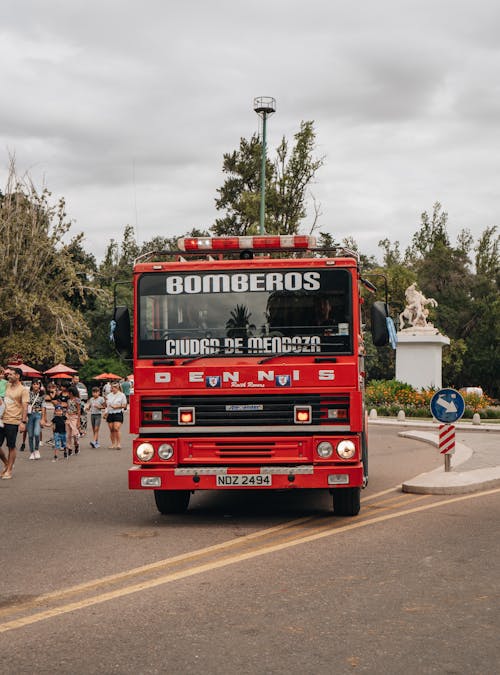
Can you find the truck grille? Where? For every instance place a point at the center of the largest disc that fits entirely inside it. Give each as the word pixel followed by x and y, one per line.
pixel 245 411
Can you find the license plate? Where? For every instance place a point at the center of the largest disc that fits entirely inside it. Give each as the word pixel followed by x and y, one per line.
pixel 244 480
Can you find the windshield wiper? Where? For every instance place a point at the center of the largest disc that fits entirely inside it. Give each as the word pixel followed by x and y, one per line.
pixel 204 356
pixel 275 356
pixel 318 356
pixel 224 353
pixel 317 359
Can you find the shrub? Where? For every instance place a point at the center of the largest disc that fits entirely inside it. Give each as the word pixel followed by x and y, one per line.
pixel 388 397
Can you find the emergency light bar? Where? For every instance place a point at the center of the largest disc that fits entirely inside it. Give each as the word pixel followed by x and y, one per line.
pixel 257 243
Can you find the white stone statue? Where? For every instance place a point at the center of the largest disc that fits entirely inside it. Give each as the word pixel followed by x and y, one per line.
pixel 415 312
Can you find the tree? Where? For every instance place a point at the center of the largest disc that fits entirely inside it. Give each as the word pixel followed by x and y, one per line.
pixel 294 173
pixel 442 271
pixel 104 364
pixel 84 297
pixel 42 288
pixel 468 309
pixel 239 196
pixel 114 278
pixel 432 232
pixel 287 181
pixel 482 331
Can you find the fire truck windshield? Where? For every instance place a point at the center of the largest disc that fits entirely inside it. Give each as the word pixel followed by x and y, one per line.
pixel 258 312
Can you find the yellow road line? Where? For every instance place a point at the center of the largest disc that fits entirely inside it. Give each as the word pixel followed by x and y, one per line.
pixel 229 560
pixel 183 557
pixel 151 567
pixel 398 500
pixel 381 494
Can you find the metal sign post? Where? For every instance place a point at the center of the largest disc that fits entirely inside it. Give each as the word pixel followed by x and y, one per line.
pixel 447 443
pixel 447 406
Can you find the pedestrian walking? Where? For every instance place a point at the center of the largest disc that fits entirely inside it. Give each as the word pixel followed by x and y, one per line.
pixel 116 404
pixel 35 405
pixel 73 412
pixel 58 425
pixel 48 408
pixel 3 385
pixel 96 404
pixel 62 395
pixel 14 419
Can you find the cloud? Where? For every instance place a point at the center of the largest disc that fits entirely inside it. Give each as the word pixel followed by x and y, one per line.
pixel 126 109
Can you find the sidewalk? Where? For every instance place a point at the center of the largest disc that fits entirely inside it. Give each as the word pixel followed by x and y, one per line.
pixel 475 465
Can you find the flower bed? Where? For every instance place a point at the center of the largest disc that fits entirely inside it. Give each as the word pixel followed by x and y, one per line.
pixel 388 397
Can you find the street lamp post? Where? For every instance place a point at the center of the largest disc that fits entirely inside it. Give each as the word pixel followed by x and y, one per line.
pixel 263 106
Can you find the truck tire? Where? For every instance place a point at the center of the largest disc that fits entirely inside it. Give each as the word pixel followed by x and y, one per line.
pixel 172 501
pixel 346 501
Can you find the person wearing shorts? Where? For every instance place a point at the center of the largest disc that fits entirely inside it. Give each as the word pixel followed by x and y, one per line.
pixel 3 387
pixel 116 403
pixel 14 419
pixel 95 406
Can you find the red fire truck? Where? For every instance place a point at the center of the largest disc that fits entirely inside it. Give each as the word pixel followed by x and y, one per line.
pixel 249 369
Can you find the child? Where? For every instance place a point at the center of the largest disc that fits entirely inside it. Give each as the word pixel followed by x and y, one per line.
pixel 95 405
pixel 73 412
pixel 59 428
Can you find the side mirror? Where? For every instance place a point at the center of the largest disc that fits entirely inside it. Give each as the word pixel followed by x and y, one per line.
pixel 121 332
pixel 380 332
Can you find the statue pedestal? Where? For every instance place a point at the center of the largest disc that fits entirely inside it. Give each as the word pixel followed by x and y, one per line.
pixel 419 357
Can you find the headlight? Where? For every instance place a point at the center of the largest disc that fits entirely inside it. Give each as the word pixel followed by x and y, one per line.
pixel 324 449
pixel 165 451
pixel 145 452
pixel 346 449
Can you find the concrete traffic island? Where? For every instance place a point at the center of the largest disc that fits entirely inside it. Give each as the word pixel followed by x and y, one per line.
pixel 479 467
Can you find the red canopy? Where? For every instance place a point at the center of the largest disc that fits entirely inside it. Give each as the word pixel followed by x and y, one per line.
pixel 60 368
pixel 61 376
pixel 28 371
pixel 107 376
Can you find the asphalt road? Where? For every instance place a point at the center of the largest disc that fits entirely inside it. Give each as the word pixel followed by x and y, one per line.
pixel 94 580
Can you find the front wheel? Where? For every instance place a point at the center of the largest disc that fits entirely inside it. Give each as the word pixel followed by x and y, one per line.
pixel 172 501
pixel 346 501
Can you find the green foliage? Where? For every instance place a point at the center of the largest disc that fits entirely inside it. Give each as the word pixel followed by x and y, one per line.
pixel 468 310
pixel 287 181
pixel 110 364
pixel 44 291
pixel 379 361
pixel 432 233
pixel 295 171
pixel 453 361
pixel 56 301
pixel 388 397
pixel 239 196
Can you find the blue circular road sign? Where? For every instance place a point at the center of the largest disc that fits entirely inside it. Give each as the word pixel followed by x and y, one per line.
pixel 447 405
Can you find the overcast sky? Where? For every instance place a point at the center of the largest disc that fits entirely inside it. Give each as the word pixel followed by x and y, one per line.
pixel 125 108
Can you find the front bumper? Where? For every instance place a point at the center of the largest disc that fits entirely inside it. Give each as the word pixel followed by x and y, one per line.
pixel 308 476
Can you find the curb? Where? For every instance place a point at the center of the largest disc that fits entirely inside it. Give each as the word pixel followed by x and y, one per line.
pixel 439 482
pixel 429 424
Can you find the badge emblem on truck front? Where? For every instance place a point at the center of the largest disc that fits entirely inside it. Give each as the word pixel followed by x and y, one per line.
pixel 283 380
